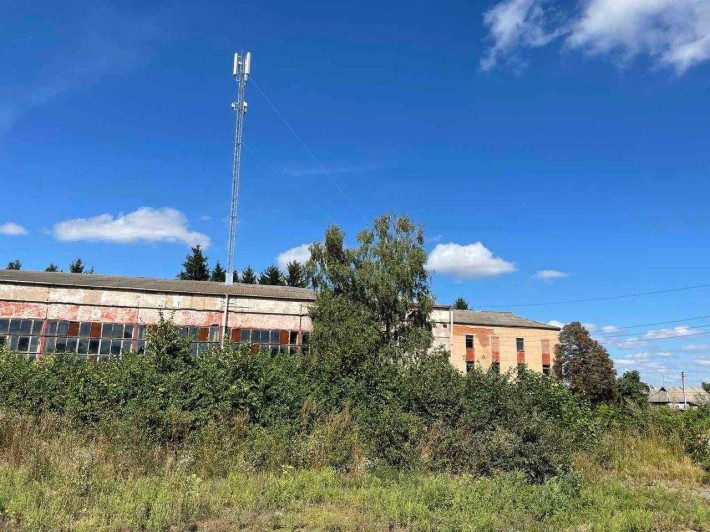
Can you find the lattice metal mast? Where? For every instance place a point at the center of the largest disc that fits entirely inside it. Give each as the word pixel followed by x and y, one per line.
pixel 240 70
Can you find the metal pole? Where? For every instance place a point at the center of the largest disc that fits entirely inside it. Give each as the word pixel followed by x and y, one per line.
pixel 241 74
pixel 682 380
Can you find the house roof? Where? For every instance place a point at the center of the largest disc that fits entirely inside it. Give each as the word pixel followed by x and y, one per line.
pixel 498 319
pixel 674 394
pixel 175 286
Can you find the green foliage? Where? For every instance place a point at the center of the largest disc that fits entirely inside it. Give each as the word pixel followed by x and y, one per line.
pixel 385 273
pixel 218 273
pixel 195 267
pixel 14 265
pixel 272 276
pixel 706 386
pixel 630 388
pixel 77 266
pixel 296 275
pixel 584 365
pixel 248 276
pixel 460 304
pixel 52 268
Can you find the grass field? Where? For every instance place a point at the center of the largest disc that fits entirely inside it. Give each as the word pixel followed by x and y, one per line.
pixel 57 479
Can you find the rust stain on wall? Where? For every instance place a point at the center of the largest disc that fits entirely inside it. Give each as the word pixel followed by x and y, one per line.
pixel 482 334
pixel 14 309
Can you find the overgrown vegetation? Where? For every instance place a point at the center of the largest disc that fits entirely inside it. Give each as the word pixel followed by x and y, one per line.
pixel 367 429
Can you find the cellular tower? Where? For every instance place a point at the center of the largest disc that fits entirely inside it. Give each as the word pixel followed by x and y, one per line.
pixel 240 71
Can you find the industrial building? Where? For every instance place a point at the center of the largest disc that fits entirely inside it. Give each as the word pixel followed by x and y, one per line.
pixel 100 315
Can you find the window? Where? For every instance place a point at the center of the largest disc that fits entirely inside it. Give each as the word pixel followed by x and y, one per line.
pixel 469 366
pixel 469 341
pixel 495 367
pixel 275 340
pixel 546 369
pixel 520 343
pixel 21 335
pixel 92 339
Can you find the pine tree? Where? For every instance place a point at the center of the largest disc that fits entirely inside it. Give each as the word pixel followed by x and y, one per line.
pixel 296 275
pixel 195 267
pixel 14 265
pixel 218 274
pixel 52 268
pixel 271 276
pixel 460 304
pixel 584 365
pixel 77 266
pixel 248 276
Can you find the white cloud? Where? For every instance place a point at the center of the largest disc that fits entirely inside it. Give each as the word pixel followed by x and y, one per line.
pixel 299 253
pixel 610 328
pixel 514 24
pixel 672 33
pixel 12 229
pixel 703 361
pixel 469 261
pixel 145 224
pixel 694 348
pixel 550 275
pixel 591 327
pixel 556 323
pixel 681 330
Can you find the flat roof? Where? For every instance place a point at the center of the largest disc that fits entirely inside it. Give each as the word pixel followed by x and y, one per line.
pixel 173 286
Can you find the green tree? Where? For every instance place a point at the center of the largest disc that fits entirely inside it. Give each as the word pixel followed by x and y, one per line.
pixel 584 365
pixel 272 276
pixel 52 268
pixel 296 275
pixel 248 276
pixel 14 265
pixel 195 267
pixel 77 266
pixel 706 386
pixel 460 304
pixel 383 276
pixel 218 274
pixel 631 388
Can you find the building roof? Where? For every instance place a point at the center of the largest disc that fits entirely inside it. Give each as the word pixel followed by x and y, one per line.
pixel 175 286
pixel 498 319
pixel 674 394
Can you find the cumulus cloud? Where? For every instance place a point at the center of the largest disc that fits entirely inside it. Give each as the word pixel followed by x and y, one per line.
pixel 299 253
pixel 470 261
pixel 672 33
pixel 550 275
pixel 12 229
pixel 556 323
pixel 515 24
pixel 143 225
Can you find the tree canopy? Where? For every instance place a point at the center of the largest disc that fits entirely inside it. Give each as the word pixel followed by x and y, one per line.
pixel 631 388
pixel 77 266
pixel 272 276
pixel 248 276
pixel 218 274
pixel 383 277
pixel 296 275
pixel 14 265
pixel 460 304
pixel 52 268
pixel 195 267
pixel 584 365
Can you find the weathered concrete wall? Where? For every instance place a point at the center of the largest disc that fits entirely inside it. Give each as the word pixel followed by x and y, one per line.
pixel 484 342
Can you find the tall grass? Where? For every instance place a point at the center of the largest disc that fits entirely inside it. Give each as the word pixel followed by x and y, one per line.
pixel 56 478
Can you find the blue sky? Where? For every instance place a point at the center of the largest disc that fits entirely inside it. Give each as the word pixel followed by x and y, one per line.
pixel 527 136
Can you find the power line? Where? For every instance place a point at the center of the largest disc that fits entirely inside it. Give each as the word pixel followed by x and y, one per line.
pixel 633 341
pixel 308 150
pixel 608 298
pixel 658 323
pixel 646 332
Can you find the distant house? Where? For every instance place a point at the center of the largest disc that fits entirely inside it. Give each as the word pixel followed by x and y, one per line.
pixel 673 396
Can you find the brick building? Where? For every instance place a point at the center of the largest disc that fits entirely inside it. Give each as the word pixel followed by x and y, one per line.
pixel 99 315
